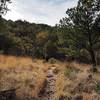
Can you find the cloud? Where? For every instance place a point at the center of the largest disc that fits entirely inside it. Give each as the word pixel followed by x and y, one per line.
pixel 39 11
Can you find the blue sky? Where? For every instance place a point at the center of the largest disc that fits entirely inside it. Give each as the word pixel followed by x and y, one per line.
pixel 39 11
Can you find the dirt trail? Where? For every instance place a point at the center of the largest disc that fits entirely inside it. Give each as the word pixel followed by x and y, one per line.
pixel 49 90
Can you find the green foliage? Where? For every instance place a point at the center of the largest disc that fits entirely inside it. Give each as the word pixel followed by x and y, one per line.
pixel 80 27
pixel 76 36
pixel 3 26
pixel 23 38
pixel 51 48
pixel 1 51
pixel 97 88
pixel 71 72
pixel 52 60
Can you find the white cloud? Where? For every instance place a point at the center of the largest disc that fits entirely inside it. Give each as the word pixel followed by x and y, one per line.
pixel 39 11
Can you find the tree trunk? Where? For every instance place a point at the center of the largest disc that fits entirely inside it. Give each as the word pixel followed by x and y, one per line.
pixel 93 59
pixel 92 53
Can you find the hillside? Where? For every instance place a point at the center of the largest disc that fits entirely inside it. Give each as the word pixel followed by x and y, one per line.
pixel 28 77
pixel 58 60
pixel 23 38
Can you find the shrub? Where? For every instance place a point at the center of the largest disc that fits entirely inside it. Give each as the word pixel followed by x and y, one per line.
pixel 1 51
pixel 97 88
pixel 71 72
pixel 52 60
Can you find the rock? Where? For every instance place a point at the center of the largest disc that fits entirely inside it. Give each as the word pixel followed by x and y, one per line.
pixel 50 73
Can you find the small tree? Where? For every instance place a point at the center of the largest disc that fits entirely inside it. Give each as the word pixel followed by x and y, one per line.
pixel 83 25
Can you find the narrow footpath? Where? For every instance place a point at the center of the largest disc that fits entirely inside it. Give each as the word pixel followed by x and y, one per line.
pixel 49 90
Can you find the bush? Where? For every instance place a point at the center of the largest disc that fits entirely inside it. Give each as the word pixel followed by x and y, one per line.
pixel 97 88
pixel 1 51
pixel 52 60
pixel 71 72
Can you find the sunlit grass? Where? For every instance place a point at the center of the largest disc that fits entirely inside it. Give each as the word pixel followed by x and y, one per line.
pixel 30 74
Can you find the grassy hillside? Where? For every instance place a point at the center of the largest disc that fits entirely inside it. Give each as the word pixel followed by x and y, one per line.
pixel 28 77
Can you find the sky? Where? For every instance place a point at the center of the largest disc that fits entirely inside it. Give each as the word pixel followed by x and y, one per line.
pixel 39 11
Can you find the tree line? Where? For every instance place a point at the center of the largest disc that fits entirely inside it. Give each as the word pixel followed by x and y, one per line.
pixel 76 36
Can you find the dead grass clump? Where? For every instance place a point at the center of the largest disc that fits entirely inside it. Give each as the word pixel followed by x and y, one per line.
pixel 71 71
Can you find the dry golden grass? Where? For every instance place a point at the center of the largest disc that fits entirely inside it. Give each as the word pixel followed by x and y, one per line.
pixel 28 75
pixel 22 73
pixel 12 61
pixel 63 82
